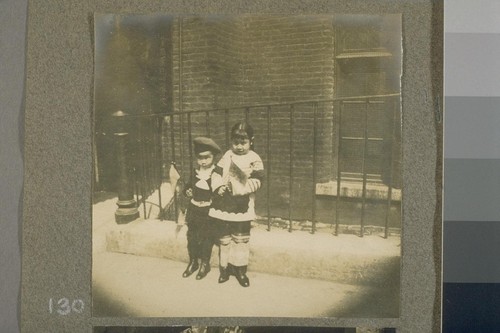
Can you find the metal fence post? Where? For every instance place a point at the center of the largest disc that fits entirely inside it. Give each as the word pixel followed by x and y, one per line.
pixel 127 208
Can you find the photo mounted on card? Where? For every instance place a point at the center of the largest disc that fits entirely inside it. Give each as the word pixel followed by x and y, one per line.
pixel 247 166
pixel 239 329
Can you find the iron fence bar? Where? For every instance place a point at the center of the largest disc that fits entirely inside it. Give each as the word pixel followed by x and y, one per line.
pixel 151 144
pixel 315 139
pixel 174 191
pixel 389 182
pixel 154 154
pixel 172 137
pixel 136 187
pixel 142 158
pixel 247 111
pixel 172 143
pixel 226 126
pixel 160 162
pixel 363 168
pixel 361 138
pixel 190 138
pixel 339 175
pixel 290 189
pixel 207 122
pixel 149 157
pixel 350 98
pixel 181 141
pixel 143 190
pixel 268 168
pixel 138 149
pixel 180 55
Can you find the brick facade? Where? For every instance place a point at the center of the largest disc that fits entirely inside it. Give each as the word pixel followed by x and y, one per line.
pixel 257 60
pixel 224 64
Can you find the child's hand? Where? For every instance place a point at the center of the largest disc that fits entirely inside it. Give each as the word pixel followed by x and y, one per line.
pixel 222 190
pixel 189 193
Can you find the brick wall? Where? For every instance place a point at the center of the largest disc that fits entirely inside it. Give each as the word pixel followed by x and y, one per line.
pixel 227 63
pixel 287 59
pixel 255 60
pixel 224 62
pixel 251 60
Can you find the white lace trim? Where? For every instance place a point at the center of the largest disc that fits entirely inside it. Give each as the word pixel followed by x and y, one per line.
pixel 231 217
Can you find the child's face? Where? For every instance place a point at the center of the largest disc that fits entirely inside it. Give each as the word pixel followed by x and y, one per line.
pixel 205 159
pixel 240 146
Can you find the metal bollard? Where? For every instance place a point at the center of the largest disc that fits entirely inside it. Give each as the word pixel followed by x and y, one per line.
pixel 127 207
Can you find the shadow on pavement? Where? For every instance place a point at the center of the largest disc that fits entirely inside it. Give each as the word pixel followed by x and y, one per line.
pixel 380 302
pixel 104 306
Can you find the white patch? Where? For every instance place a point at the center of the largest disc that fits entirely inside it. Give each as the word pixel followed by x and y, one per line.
pixel 202 184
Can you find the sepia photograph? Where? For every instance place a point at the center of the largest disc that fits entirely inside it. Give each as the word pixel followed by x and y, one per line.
pixel 247 166
pixel 240 329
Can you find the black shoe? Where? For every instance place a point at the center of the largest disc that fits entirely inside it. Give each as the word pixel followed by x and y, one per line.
pixel 241 276
pixel 191 268
pixel 224 274
pixel 204 269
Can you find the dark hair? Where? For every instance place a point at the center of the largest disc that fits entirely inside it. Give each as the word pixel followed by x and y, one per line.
pixel 241 131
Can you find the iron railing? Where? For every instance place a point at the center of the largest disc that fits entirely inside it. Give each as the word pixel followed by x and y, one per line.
pixel 162 140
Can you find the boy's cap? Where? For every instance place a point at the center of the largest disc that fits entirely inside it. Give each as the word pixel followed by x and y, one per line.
pixel 202 144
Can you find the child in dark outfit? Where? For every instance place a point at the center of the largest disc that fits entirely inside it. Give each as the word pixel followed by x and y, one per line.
pixel 199 239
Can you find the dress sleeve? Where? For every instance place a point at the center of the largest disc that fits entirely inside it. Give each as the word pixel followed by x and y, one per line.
pixel 257 169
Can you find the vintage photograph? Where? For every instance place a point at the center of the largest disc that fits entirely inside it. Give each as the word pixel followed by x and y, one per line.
pixel 247 166
pixel 239 329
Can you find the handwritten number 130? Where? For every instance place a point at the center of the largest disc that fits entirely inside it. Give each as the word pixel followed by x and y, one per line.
pixel 64 306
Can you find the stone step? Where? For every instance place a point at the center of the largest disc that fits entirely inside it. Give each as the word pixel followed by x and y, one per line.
pixel 369 260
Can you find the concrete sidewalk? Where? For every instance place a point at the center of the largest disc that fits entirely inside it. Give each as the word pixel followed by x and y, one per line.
pixel 129 285
pixel 370 260
pixel 137 270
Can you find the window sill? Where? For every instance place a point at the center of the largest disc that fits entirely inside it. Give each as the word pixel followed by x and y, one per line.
pixel 354 189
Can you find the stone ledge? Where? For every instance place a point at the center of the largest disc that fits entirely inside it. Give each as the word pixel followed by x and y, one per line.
pixel 351 189
pixel 370 260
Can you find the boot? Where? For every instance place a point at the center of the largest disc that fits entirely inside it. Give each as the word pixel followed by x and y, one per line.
pixel 204 269
pixel 224 274
pixel 240 273
pixel 191 268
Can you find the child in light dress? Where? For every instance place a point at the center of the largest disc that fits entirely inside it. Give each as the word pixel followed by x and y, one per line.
pixel 235 179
